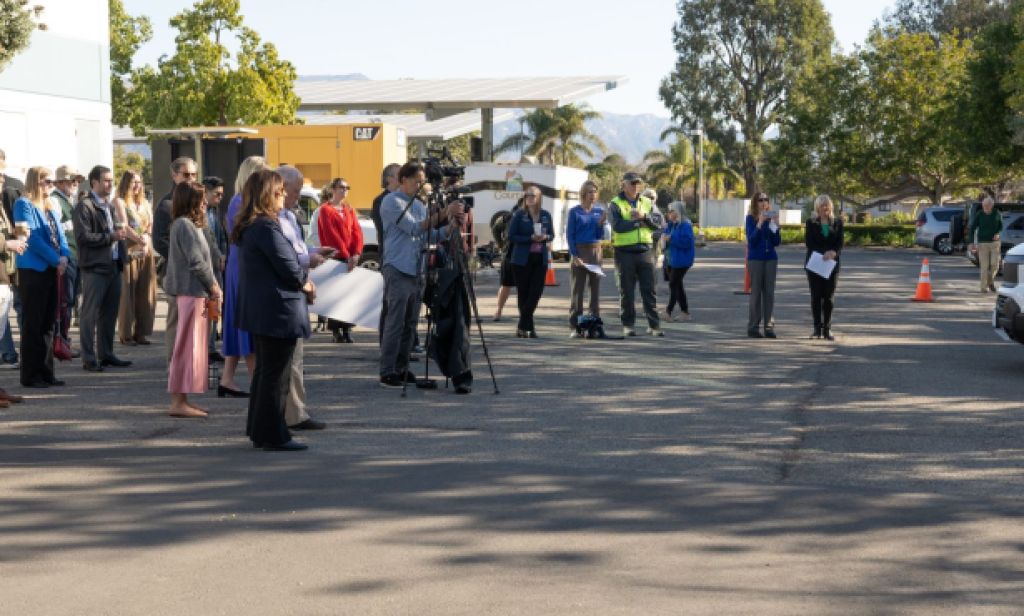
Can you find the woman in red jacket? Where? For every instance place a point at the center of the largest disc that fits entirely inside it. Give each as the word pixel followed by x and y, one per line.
pixel 338 226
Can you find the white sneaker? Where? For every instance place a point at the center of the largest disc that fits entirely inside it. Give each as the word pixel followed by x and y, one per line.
pixel 628 331
pixel 666 316
pixel 575 334
pixel 653 331
pixel 682 317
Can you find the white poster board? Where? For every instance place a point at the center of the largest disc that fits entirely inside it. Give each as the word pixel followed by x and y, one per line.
pixel 354 297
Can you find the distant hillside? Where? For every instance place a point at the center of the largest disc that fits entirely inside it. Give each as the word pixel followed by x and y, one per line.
pixel 632 136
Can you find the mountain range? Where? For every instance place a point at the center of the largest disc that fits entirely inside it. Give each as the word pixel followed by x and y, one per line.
pixel 630 136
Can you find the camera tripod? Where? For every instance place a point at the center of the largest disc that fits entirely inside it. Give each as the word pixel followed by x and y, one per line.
pixel 427 274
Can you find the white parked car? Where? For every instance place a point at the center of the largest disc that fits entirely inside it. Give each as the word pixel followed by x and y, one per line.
pixel 309 202
pixel 1008 315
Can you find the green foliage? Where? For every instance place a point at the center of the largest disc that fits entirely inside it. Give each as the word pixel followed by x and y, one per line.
pixel 853 235
pixel 674 168
pixel 132 161
pixel 884 120
pixel 127 34
pixel 736 61
pixel 961 18
pixel 607 174
pixel 556 136
pixel 201 84
pixel 457 146
pixel 17 22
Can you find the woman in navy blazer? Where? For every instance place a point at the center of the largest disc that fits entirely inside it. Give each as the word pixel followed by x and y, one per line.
pixel 273 297
pixel 530 256
pixel 46 256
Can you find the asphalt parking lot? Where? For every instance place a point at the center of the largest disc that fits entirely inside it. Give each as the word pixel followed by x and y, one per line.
pixel 699 473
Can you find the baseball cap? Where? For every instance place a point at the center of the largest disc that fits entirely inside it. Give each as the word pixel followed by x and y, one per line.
pixel 66 172
pixel 632 177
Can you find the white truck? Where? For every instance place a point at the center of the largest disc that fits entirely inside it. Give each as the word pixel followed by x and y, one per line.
pixel 497 186
pixel 1008 315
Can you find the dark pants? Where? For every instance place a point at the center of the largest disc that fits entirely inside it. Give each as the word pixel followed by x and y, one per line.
pixel 39 307
pixel 579 279
pixel 8 353
pixel 529 288
pixel 269 390
pixel 822 292
pixel 762 293
pixel 67 306
pixel 677 294
pixel 402 297
pixel 633 269
pixel 101 298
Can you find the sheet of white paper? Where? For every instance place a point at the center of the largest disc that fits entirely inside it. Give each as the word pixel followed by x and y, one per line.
pixel 594 268
pixel 354 297
pixel 819 265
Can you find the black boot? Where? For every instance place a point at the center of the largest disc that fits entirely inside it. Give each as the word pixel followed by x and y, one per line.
pixel 336 336
pixel 346 336
pixel 817 332
pixel 826 334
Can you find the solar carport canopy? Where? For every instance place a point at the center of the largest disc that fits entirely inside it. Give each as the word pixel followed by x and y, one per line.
pixel 449 94
pixel 440 98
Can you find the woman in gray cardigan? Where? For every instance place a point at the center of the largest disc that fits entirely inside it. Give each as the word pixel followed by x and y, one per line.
pixel 190 280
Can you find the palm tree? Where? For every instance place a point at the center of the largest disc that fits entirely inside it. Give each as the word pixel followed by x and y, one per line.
pixel 674 168
pixel 719 178
pixel 556 135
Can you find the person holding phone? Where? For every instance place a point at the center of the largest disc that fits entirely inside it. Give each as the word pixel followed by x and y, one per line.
pixel 763 235
pixel 583 234
pixel 823 234
pixel 530 231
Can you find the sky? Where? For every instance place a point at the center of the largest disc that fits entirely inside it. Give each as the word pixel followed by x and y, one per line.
pixel 434 39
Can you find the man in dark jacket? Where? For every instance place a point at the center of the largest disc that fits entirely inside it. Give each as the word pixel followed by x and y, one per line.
pixel 101 255
pixel 10 190
pixel 183 169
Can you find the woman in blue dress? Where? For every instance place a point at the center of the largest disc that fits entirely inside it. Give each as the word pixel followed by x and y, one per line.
pixel 237 343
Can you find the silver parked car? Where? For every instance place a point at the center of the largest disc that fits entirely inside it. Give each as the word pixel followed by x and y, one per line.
pixel 933 228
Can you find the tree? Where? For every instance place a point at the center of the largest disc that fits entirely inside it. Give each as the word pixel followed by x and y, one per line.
pixel 17 22
pixel 127 34
pixel 556 136
pixel 202 85
pixel 883 121
pixel 125 161
pixel 458 147
pixel 607 174
pixel 737 60
pixel 674 168
pixel 961 18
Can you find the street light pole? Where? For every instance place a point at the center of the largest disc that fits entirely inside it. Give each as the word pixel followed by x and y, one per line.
pixel 699 194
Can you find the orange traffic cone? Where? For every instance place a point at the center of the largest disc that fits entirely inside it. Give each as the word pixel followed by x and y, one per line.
pixel 924 285
pixel 549 278
pixel 746 280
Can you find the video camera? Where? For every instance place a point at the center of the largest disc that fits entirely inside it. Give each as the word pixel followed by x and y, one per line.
pixel 445 174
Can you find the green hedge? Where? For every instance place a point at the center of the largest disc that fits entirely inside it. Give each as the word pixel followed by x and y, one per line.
pixel 854 235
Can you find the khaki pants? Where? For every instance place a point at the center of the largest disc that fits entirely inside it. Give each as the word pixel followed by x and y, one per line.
pixel 138 299
pixel 988 263
pixel 295 407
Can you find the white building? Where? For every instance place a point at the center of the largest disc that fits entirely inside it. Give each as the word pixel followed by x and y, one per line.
pixel 55 95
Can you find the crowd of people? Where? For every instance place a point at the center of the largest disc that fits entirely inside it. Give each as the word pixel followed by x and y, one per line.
pixel 238 273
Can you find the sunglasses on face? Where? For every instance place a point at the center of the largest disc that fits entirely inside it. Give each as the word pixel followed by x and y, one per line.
pixel 343 187
pixel 46 182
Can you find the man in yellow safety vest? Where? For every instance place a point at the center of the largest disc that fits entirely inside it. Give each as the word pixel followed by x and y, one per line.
pixel 633 238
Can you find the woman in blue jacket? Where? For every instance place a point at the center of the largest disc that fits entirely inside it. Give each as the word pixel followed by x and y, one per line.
pixel 763 236
pixel 46 256
pixel 679 254
pixel 530 232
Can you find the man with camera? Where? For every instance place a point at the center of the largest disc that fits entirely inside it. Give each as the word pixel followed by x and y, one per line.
pixel 633 228
pixel 408 227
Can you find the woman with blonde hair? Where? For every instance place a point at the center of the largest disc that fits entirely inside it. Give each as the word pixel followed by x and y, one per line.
pixel 190 281
pixel 138 278
pixel 823 234
pixel 236 342
pixel 37 218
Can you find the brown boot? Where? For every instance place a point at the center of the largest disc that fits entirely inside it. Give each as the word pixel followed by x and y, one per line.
pixel 6 397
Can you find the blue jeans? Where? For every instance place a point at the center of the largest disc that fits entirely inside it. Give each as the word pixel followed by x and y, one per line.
pixel 8 352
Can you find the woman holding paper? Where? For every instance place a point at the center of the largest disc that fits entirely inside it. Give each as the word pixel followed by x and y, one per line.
pixel 530 231
pixel 762 229
pixel 823 235
pixel 583 233
pixel 338 227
